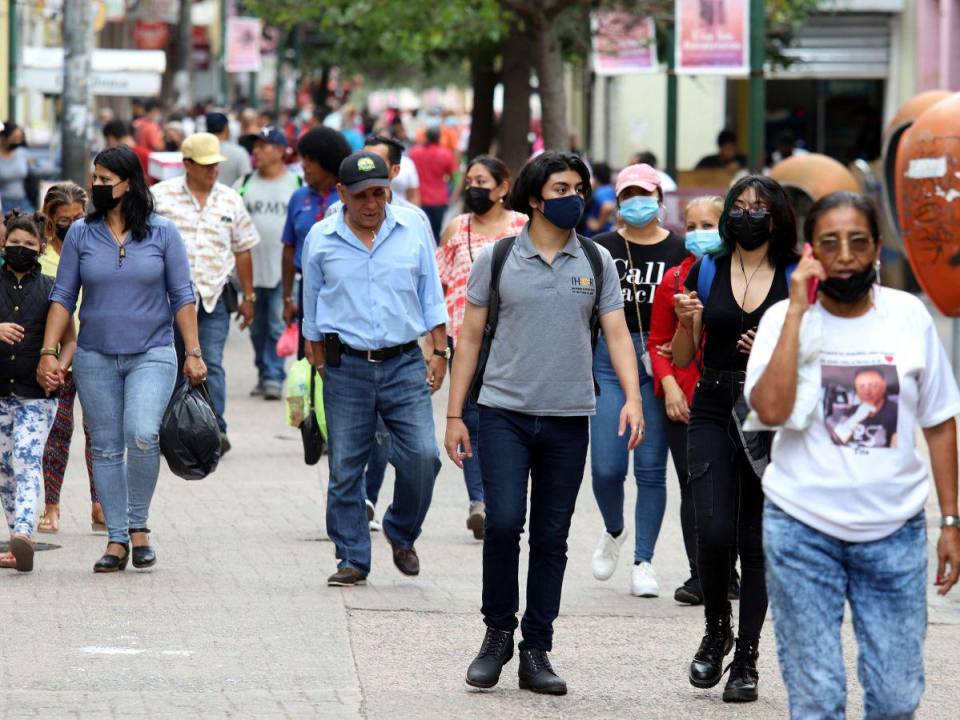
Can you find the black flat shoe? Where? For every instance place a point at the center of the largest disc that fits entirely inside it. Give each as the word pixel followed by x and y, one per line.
pixel 706 669
pixel 536 674
pixel 495 652
pixel 689 593
pixel 144 556
pixel 742 684
pixel 112 563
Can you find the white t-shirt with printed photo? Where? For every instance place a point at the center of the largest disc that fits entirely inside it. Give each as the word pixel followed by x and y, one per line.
pixel 856 473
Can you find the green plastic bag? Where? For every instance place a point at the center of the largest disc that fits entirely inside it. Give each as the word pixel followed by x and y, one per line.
pixel 297 391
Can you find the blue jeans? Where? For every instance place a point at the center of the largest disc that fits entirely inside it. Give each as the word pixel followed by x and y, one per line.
pixel 810 575
pixel 123 399
pixel 609 455
pixel 550 453
pixel 212 329
pixel 265 331
pixel 354 394
pixel 377 462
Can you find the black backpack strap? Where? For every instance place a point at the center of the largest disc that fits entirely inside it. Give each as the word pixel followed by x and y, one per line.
pixel 592 252
pixel 245 184
pixel 501 251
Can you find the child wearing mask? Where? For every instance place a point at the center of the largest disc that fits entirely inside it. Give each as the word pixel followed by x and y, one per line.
pixel 26 409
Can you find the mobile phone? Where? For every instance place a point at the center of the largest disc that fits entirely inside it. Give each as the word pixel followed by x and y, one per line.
pixel 814 282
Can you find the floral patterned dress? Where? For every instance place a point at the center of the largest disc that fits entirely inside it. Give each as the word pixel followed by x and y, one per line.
pixel 455 260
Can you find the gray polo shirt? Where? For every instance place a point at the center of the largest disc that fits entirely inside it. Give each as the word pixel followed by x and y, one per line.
pixel 541 361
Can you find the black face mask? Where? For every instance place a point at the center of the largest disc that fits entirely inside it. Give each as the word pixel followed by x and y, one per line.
pixel 61 231
pixel 103 199
pixel 849 290
pixel 749 232
pixel 477 200
pixel 20 259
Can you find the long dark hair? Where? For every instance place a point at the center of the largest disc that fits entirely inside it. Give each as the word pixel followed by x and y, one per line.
pixel 137 204
pixel 782 250
pixel 861 204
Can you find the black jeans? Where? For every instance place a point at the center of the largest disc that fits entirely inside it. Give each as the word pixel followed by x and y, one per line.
pixel 728 502
pixel 677 440
pixel 435 215
pixel 550 452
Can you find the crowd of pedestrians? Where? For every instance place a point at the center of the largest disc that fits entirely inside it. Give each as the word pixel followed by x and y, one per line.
pixel 786 386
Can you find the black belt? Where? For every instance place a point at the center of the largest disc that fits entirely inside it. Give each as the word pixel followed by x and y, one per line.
pixel 378 355
pixel 731 376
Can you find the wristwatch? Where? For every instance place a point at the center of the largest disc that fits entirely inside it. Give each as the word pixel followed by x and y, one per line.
pixel 445 353
pixel 196 352
pixel 950 521
pixel 252 297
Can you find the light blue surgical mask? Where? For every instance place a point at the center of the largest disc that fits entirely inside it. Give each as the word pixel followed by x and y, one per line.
pixel 638 211
pixel 704 242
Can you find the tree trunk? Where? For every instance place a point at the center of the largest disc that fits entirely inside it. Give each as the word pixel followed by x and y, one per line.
pixel 177 91
pixel 78 48
pixel 483 78
pixel 515 119
pixel 553 101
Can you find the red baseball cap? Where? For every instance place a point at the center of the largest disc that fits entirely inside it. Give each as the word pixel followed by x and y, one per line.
pixel 641 176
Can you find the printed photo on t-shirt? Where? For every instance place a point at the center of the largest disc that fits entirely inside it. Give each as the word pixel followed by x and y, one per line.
pixel 861 404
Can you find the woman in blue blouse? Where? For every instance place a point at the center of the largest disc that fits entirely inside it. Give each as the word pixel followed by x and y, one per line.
pixel 132 266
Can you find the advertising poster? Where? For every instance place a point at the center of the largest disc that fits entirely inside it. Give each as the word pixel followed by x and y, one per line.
pixel 713 36
pixel 623 43
pixel 243 44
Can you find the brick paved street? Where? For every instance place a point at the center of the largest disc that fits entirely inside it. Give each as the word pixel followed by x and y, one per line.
pixel 236 621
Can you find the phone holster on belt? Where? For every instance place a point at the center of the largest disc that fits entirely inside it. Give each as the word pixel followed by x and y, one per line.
pixel 331 349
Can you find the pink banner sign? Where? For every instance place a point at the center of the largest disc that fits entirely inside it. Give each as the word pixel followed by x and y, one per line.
pixel 623 43
pixel 243 44
pixel 713 36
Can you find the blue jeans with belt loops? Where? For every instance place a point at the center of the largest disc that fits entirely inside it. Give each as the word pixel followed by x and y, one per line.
pixel 609 456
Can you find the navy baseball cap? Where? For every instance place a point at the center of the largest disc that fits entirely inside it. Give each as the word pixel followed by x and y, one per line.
pixel 363 170
pixel 273 136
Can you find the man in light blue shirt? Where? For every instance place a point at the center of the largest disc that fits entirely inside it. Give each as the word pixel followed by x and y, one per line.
pixel 371 289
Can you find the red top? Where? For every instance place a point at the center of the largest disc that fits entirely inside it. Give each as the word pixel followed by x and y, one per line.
pixel 663 324
pixel 434 164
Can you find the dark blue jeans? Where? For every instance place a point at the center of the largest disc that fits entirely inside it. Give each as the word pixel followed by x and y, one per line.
pixel 265 331
pixel 435 215
pixel 550 453
pixel 609 455
pixel 212 328
pixel 354 394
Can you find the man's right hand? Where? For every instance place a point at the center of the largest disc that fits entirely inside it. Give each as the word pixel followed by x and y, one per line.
pixel 290 310
pixel 313 350
pixel 456 440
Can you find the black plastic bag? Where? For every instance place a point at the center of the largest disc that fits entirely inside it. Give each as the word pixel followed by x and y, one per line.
pixel 310 428
pixel 189 433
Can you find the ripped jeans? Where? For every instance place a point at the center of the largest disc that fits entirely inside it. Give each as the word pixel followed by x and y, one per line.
pixel 123 399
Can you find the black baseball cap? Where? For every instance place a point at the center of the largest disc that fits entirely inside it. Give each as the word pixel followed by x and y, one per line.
pixel 363 170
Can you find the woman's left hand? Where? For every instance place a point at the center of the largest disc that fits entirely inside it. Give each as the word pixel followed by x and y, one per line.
pixel 195 370
pixel 948 557
pixel 745 343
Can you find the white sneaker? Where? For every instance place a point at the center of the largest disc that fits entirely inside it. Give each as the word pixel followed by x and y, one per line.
pixel 643 583
pixel 606 555
pixel 371 518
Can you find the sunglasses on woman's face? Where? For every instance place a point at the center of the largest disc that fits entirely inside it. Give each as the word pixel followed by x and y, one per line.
pixel 829 247
pixel 755 213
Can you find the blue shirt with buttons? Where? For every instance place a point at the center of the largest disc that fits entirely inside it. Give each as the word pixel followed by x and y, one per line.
pixel 373 298
pixel 305 209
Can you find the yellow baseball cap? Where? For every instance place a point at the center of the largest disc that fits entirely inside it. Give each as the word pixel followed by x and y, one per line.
pixel 202 148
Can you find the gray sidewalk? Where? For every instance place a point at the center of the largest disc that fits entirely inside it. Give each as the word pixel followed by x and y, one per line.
pixel 236 621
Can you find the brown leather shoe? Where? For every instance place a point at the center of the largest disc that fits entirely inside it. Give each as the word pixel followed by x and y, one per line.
pixel 347 577
pixel 405 559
